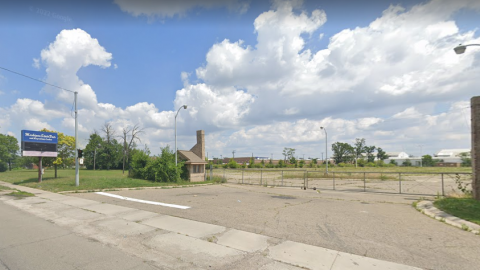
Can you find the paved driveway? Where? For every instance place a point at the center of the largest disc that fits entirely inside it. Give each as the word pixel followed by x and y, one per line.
pixel 381 226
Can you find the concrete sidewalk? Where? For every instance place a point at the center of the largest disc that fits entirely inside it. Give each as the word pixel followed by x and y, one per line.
pixel 170 242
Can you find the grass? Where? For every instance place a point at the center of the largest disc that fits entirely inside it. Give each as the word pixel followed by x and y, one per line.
pixel 4 188
pixel 464 208
pixel 89 180
pixel 20 194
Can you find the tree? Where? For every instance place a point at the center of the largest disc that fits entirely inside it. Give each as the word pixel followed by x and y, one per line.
pixel 466 159
pixel 314 161
pixel 111 148
pixel 129 137
pixel 342 152
pixel 232 164
pixel 427 161
pixel 8 150
pixel 407 163
pixel 251 162
pixel 92 150
pixel 359 147
pixel 289 153
pixel 369 151
pixel 381 155
pixel 65 149
pixel 302 163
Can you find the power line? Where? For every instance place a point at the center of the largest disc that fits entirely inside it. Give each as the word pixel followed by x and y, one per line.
pixel 35 79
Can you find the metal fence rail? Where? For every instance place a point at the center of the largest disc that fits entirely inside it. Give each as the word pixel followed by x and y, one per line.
pixel 417 183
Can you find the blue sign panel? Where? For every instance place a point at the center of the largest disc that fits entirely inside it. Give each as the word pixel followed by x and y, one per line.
pixel 39 136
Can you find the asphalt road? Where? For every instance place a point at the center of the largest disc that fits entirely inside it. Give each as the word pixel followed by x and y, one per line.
pixel 29 242
pixel 381 226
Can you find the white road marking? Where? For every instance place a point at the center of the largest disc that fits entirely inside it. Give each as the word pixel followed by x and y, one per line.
pixel 142 201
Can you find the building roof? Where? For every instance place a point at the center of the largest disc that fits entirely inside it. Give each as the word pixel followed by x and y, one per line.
pixel 451 152
pixel 191 157
pixel 395 154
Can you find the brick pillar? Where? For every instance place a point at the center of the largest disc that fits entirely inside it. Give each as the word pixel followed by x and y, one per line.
pixel 475 153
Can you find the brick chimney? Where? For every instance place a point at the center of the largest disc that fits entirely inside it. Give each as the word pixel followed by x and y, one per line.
pixel 199 148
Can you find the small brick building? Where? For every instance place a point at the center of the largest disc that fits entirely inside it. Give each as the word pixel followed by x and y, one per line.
pixel 195 159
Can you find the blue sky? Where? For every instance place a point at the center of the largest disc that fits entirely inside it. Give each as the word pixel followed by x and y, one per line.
pixel 306 64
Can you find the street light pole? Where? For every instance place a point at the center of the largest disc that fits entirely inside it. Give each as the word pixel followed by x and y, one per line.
pixel 421 161
pixel 326 148
pixel 475 129
pixel 185 107
pixel 77 174
pixel 460 49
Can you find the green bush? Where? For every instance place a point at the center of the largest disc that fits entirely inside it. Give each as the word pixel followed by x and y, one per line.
pixel 160 168
pixel 3 166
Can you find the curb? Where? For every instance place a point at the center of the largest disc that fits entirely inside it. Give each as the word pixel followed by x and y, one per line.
pixel 427 208
pixel 131 188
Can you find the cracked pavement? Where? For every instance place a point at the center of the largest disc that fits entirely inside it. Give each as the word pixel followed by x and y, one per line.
pixel 381 226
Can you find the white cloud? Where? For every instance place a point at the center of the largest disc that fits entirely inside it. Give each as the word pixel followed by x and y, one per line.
pixel 168 8
pixel 408 113
pixel 72 50
pixel 36 63
pixel 370 82
pixel 1 92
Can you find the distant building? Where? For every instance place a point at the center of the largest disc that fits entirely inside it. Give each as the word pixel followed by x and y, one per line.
pixel 451 153
pixel 396 155
pixel 195 159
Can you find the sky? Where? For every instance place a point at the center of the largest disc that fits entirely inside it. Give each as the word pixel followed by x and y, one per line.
pixel 256 76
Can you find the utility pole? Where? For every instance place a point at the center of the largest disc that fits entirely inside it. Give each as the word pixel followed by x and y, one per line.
pixel 233 153
pixel 77 174
pixel 421 146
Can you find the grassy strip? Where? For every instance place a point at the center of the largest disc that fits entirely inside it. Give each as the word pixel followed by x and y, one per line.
pixel 4 188
pixel 20 194
pixel 464 208
pixel 89 180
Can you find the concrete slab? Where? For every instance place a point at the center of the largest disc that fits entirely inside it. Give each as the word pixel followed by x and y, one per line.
pixel 137 215
pixel 351 261
pixel 52 196
pixel 77 201
pixel 80 214
pixel 52 206
pixel 198 253
pixel 108 209
pixel 279 265
pixel 245 241
pixel 303 255
pixel 184 226
pixel 123 227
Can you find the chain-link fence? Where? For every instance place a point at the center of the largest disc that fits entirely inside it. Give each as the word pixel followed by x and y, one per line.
pixel 385 182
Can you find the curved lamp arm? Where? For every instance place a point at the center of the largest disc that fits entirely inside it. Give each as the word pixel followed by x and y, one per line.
pixel 461 48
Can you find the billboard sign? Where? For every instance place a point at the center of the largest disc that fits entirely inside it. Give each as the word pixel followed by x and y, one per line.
pixel 39 143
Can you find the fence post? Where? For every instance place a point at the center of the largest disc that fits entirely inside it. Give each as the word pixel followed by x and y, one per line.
pixel 304 184
pixel 400 183
pixel 306 180
pixel 211 172
pixel 261 176
pixel 224 175
pixel 282 178
pixel 443 187
pixel 242 174
pixel 333 180
pixel 364 183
